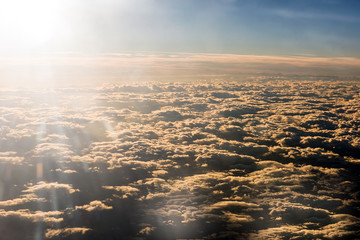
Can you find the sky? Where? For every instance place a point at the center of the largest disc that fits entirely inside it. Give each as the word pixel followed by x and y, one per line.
pixel 179 119
pixel 45 30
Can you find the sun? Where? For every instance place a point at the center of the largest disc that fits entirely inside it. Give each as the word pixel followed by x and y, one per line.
pixel 30 23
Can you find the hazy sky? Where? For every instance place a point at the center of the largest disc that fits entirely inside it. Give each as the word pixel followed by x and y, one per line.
pixel 280 27
pixel 322 28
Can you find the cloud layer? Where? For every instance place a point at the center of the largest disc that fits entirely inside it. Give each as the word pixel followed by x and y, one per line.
pixel 251 160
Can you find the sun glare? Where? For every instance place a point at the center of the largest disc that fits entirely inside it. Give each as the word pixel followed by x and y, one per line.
pixel 26 24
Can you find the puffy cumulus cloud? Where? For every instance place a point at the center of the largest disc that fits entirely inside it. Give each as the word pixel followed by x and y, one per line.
pixel 231 204
pixel 39 194
pixel 68 171
pixel 346 228
pixel 297 213
pixel 94 205
pixel 125 191
pixel 52 150
pixel 10 157
pixel 66 232
pixel 26 198
pixel 267 159
pixel 225 160
pixel 41 186
pixel 37 216
pixel 146 231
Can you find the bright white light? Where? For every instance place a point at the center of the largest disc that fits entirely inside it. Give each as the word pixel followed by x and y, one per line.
pixel 30 23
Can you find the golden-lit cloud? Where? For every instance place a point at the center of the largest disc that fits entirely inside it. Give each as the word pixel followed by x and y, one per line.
pixel 65 232
pixel 218 160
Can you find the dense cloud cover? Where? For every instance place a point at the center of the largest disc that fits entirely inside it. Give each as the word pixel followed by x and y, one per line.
pixel 261 160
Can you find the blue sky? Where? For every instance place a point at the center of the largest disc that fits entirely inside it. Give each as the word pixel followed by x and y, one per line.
pixel 328 28
pixel 71 41
pixel 321 28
